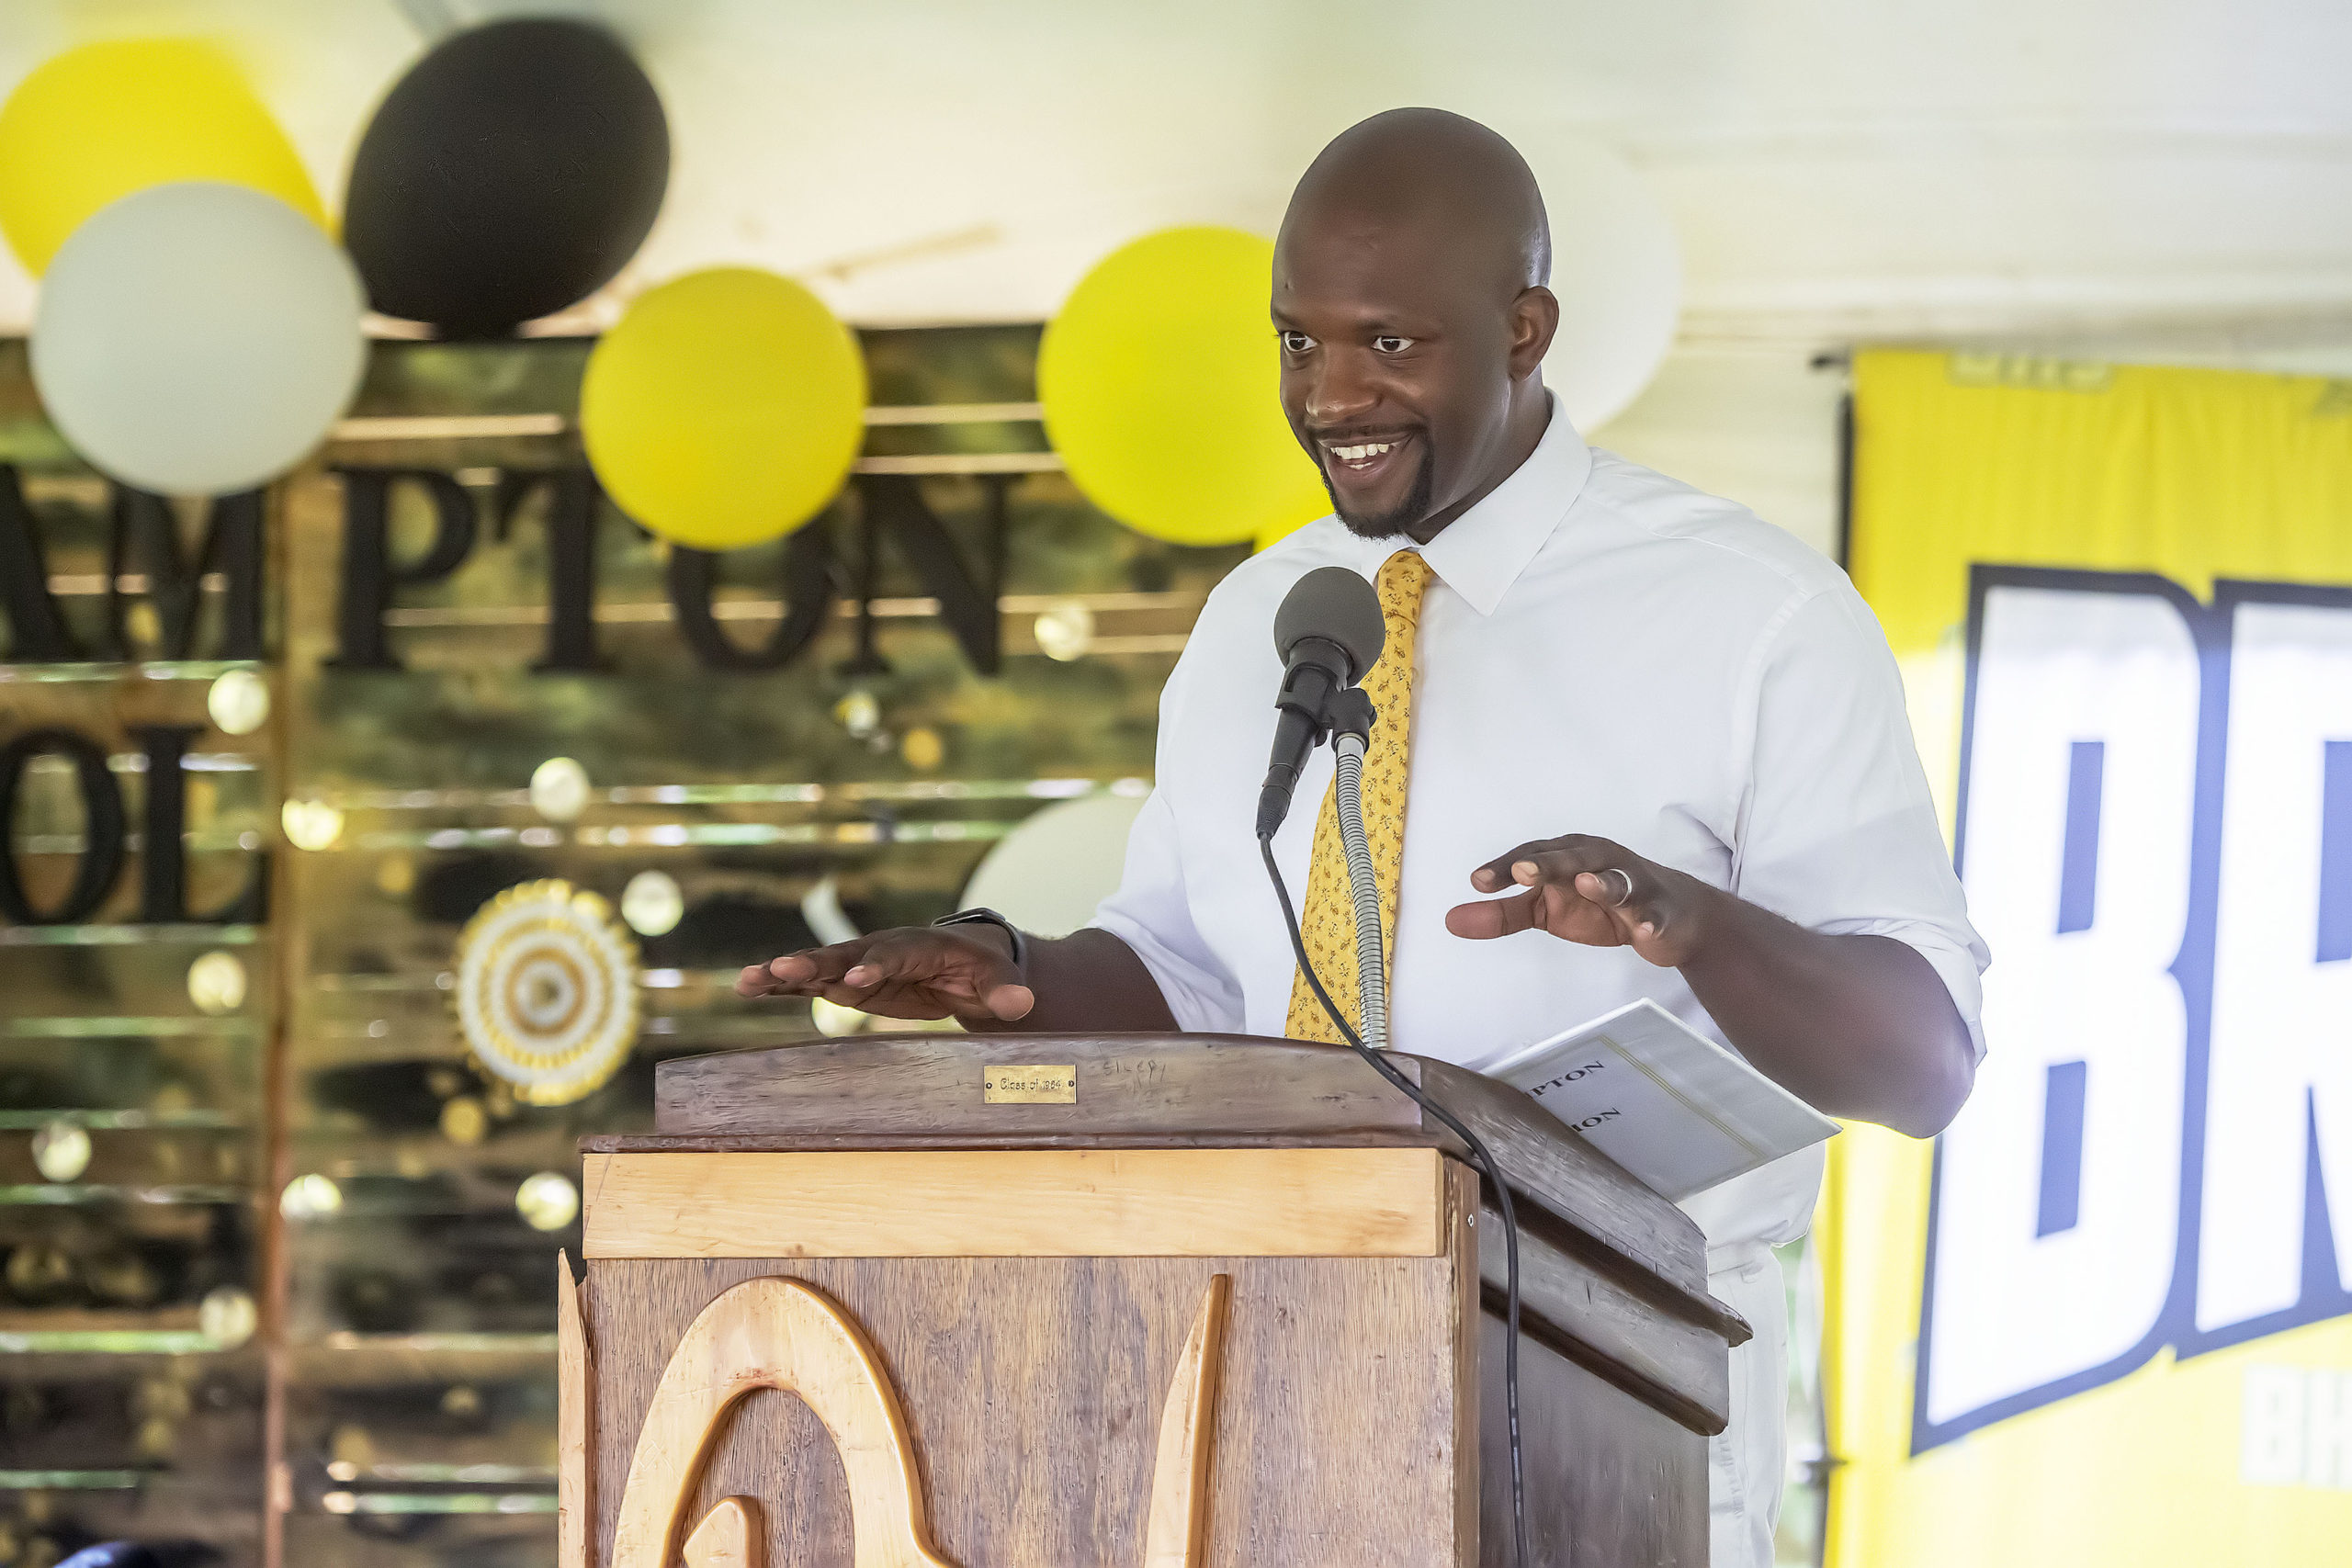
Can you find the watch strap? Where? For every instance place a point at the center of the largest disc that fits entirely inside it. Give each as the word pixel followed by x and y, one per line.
pixel 991 918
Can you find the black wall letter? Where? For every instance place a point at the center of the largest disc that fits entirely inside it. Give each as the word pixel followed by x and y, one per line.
pixel 571 561
pixel 37 632
pixel 808 595
pixel 146 537
pixel 895 505
pixel 368 575
pixel 162 879
pixel 102 830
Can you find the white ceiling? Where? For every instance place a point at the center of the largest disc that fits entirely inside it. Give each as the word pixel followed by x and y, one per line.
pixel 1835 169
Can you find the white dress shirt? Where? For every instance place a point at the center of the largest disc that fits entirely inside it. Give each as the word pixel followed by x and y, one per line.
pixel 1602 651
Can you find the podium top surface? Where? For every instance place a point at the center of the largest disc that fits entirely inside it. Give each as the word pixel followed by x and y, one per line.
pixel 1166 1091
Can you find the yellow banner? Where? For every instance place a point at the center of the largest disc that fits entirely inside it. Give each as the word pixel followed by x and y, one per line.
pixel 2107 1319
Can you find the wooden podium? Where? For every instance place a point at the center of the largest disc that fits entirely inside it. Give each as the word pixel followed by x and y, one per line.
pixel 1069 1301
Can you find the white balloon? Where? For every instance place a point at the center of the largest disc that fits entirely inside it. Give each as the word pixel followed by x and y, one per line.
pixel 1047 874
pixel 1617 270
pixel 197 338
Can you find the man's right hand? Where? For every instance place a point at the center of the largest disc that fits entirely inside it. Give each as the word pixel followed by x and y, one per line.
pixel 963 972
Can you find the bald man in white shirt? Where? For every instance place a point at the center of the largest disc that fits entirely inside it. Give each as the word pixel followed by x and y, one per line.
pixel 1667 735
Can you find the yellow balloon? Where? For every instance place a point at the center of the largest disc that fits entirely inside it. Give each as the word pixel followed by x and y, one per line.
pixel 1159 379
pixel 725 408
pixel 104 121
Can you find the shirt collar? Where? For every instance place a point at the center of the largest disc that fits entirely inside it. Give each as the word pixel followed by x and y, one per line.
pixel 1481 553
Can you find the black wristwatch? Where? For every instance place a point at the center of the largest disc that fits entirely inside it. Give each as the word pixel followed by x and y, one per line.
pixel 991 918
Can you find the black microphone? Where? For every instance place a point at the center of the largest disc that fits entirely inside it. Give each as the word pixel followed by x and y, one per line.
pixel 1329 631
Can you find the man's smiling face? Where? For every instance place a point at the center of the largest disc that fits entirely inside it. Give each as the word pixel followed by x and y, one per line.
pixel 1395 377
pixel 1410 320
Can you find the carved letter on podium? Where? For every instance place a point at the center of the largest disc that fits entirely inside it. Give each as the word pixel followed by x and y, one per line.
pixel 783 1334
pixel 575 1374
pixel 731 1535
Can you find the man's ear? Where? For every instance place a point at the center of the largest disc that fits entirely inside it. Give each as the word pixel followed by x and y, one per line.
pixel 1534 317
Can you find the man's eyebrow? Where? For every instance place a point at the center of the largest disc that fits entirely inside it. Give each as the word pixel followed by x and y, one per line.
pixel 1377 322
pixel 1389 324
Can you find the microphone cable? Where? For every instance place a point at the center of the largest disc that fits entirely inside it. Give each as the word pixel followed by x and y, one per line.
pixel 1492 1171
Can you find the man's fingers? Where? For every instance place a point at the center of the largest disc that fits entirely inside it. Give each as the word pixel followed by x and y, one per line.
pixel 1582 889
pixel 1559 858
pixel 889 995
pixel 917 973
pixel 1552 867
pixel 802 974
pixel 792 969
pixel 817 964
pixel 1579 906
pixel 1497 916
pixel 780 976
pixel 883 963
pixel 1562 866
pixel 1496 875
pixel 1009 1002
pixel 1634 906
pixel 947 969
pixel 1611 886
pixel 1619 886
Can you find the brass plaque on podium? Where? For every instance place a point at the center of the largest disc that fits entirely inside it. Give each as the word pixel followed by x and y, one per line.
pixel 1028 1085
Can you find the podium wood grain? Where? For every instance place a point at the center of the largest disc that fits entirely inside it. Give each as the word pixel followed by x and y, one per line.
pixel 1162 1091
pixel 1017 1204
pixel 1166 1086
pixel 1033 1391
pixel 1234 1304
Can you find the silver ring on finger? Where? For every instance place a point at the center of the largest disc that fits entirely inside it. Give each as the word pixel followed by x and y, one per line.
pixel 1622 875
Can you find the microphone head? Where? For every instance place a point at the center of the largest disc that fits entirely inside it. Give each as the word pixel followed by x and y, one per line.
pixel 1335 604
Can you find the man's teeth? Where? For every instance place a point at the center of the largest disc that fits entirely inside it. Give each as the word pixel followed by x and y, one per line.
pixel 1359 453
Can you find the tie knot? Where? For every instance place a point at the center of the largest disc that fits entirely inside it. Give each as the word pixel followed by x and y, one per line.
pixel 1402 578
pixel 1406 568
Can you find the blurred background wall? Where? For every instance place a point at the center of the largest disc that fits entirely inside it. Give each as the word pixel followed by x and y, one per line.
pixel 2164 180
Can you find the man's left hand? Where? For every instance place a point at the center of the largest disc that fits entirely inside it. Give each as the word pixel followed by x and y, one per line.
pixel 1589 890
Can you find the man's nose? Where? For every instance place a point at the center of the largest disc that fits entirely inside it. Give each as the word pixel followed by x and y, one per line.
pixel 1341 393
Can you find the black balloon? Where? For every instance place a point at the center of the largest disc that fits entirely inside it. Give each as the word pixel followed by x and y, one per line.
pixel 510 174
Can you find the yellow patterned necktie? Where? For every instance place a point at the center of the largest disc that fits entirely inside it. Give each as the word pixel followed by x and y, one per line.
pixel 1327 916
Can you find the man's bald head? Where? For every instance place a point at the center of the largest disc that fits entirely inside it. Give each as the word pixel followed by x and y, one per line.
pixel 1408 296
pixel 1434 167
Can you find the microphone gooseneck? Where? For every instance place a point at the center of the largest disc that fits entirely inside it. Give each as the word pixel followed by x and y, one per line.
pixel 1328 634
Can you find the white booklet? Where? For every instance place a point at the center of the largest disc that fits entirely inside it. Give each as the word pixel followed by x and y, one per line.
pixel 1675 1109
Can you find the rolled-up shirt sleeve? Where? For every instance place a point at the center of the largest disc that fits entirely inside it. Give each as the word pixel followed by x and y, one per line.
pixel 1151 912
pixel 1835 829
